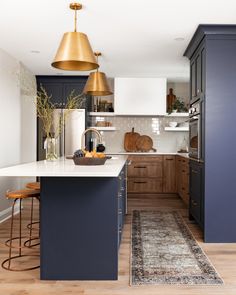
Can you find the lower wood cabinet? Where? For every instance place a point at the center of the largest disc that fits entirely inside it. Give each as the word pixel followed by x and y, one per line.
pixel 169 179
pixel 159 174
pixel 145 174
pixel 144 185
pixel 182 178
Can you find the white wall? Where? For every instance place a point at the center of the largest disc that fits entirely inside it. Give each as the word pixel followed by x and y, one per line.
pixel 17 121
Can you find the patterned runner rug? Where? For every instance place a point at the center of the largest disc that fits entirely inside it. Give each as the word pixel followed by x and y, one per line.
pixel 165 252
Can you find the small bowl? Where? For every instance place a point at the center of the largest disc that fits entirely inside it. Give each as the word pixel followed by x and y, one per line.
pixel 173 124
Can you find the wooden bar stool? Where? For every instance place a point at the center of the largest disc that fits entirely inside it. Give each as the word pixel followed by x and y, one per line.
pixel 29 243
pixel 18 195
pixel 33 185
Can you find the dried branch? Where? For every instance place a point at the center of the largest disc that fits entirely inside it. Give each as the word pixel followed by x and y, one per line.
pixel 45 109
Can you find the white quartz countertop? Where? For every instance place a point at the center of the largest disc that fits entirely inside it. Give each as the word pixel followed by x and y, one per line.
pixel 67 168
pixel 185 155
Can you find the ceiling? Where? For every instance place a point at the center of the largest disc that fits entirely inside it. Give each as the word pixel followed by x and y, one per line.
pixel 137 38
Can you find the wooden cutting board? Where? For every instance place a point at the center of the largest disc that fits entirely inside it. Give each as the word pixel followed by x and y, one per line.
pixel 130 141
pixel 144 144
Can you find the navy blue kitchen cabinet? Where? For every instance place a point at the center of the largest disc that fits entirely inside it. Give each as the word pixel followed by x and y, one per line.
pixel 59 87
pixel 213 50
pixel 81 227
pixel 197 76
pixel 122 201
pixel 196 202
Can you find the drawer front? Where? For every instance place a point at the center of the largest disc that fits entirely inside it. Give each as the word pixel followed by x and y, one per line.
pixel 145 159
pixel 144 185
pixel 144 169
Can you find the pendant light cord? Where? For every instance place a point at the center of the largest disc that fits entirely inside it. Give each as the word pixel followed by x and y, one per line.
pixel 75 20
pixel 97 61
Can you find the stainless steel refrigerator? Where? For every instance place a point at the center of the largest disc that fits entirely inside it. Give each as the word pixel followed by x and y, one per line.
pixel 69 139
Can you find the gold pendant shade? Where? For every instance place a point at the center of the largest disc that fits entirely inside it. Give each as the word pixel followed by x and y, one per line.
pixel 97 84
pixel 75 52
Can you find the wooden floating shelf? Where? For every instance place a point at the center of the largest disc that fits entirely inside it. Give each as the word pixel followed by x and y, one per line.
pixel 102 114
pixel 104 128
pixel 175 129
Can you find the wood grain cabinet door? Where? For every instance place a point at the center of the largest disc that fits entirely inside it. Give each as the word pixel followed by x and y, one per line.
pixel 144 185
pixel 145 169
pixel 169 179
pixel 178 166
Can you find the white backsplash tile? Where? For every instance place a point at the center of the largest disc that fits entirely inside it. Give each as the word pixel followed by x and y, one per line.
pixel 163 141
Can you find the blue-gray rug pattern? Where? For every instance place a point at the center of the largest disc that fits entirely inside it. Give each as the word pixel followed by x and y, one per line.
pixel 165 252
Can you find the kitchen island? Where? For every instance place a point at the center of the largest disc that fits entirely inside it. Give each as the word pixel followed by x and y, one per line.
pixel 82 213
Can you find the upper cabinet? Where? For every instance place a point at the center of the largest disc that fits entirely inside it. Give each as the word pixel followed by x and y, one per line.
pixel 60 87
pixel 197 74
pixel 140 96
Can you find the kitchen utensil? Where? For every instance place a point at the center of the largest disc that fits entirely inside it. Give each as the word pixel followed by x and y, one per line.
pixel 130 141
pixel 144 144
pixel 100 148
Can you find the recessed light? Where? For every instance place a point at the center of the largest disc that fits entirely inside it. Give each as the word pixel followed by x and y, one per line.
pixel 35 51
pixel 179 39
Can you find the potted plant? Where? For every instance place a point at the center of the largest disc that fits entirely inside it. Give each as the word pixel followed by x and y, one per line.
pixel 52 125
pixel 178 106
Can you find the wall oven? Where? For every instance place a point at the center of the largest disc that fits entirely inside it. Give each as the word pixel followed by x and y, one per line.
pixel 195 131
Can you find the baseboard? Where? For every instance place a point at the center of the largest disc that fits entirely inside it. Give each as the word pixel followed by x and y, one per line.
pixel 6 214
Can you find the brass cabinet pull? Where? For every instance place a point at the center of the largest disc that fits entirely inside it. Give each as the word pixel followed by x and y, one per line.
pixel 183 188
pixel 120 211
pixel 194 203
pixel 183 171
pixel 140 167
pixel 169 159
pixel 140 182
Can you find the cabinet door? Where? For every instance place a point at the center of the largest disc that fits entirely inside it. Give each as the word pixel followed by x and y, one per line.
pixel 196 191
pixel 203 71
pixel 193 80
pixel 145 169
pixel 169 181
pixel 55 90
pixel 178 175
pixel 185 183
pixel 145 185
pixel 77 89
pixel 198 64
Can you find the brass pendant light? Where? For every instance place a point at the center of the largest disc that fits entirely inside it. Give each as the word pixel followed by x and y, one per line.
pixel 97 84
pixel 75 52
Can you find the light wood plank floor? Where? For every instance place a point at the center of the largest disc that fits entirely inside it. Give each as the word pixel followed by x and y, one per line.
pixel 223 257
